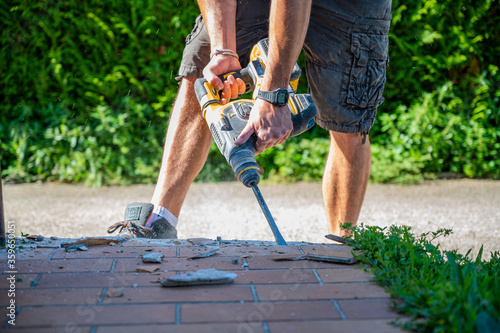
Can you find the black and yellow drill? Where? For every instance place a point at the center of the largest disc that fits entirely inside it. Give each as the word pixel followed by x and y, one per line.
pixel 226 122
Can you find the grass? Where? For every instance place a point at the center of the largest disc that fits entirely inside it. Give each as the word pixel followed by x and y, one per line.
pixel 441 291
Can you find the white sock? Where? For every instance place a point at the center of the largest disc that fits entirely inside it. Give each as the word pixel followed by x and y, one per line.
pixel 161 212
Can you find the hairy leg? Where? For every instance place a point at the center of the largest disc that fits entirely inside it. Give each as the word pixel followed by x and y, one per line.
pixel 345 179
pixel 186 149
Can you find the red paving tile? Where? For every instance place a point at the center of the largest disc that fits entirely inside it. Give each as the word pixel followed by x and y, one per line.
pixel 237 251
pixel 109 280
pixel 63 265
pixel 367 309
pixel 22 280
pixel 157 294
pixel 186 328
pixel 36 254
pixel 79 329
pixel 275 276
pixel 112 252
pixel 66 296
pixel 258 312
pixel 265 262
pixel 181 264
pixel 325 291
pixel 95 315
pixel 343 275
pixel 267 296
pixel 351 326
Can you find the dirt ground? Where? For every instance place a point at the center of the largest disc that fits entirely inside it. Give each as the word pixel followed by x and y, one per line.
pixel 229 210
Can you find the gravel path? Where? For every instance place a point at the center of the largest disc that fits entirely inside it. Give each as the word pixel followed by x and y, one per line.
pixel 470 207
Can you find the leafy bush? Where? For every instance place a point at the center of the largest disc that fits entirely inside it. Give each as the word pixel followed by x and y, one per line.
pixel 442 109
pixel 88 87
pixel 73 74
pixel 440 291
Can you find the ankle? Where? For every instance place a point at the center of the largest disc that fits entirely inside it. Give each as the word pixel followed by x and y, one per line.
pixel 160 212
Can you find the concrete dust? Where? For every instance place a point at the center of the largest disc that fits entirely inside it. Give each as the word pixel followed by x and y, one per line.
pixel 230 210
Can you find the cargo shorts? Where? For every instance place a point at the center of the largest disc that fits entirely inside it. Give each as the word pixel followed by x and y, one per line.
pixel 346 55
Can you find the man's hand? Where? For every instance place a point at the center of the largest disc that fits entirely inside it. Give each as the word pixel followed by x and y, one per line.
pixel 222 64
pixel 271 124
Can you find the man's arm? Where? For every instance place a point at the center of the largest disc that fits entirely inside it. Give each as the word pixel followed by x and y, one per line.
pixel 288 24
pixel 220 19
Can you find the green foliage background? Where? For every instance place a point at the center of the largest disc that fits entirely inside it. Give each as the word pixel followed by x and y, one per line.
pixel 87 89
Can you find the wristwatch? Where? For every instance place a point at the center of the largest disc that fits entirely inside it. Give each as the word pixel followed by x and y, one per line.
pixel 279 97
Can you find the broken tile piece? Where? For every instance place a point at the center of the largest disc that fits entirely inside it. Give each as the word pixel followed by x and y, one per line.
pixel 152 257
pixel 336 260
pixel 37 238
pixel 74 247
pixel 205 254
pixel 313 257
pixel 341 240
pixel 95 241
pixel 288 257
pixel 201 241
pixel 200 277
pixel 148 269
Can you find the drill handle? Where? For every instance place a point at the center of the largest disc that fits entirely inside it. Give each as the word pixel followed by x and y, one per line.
pixel 207 94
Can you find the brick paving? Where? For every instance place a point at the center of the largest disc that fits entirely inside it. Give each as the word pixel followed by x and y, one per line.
pixel 99 290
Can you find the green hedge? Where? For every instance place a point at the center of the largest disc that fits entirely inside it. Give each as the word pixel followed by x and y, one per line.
pixel 88 86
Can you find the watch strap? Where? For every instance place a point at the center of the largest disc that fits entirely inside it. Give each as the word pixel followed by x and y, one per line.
pixel 272 96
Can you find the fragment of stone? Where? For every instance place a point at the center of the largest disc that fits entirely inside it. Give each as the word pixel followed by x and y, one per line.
pixel 75 247
pixel 322 258
pixel 341 240
pixel 201 241
pixel 205 254
pixel 94 241
pixel 37 238
pixel 335 260
pixel 207 276
pixel 152 257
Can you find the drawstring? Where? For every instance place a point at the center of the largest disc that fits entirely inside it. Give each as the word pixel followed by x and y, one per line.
pixel 364 134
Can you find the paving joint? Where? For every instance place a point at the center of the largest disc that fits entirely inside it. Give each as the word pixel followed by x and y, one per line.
pixel 337 306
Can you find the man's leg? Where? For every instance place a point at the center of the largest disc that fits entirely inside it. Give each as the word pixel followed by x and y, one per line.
pixel 345 179
pixel 186 149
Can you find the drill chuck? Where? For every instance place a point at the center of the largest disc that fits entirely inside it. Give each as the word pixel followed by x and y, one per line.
pixel 245 167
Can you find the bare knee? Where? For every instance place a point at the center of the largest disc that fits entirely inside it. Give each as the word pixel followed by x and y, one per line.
pixel 349 140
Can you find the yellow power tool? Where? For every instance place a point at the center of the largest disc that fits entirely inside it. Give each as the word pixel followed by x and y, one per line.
pixel 226 122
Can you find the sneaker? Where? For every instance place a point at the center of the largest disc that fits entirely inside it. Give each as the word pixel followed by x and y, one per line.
pixel 134 225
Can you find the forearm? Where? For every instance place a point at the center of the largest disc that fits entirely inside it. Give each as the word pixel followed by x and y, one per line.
pixel 220 20
pixel 287 31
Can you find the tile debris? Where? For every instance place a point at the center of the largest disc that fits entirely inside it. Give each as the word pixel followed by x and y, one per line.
pixel 38 238
pixel 152 257
pixel 313 257
pixel 341 239
pixel 200 277
pixel 201 241
pixel 205 254
pixel 75 247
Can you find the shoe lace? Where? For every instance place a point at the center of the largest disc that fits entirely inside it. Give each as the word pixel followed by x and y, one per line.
pixel 132 228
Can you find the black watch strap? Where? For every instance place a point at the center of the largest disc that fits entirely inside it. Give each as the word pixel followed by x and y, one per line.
pixel 278 97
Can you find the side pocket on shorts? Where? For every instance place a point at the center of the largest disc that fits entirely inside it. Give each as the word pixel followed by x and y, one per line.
pixel 367 77
pixel 196 30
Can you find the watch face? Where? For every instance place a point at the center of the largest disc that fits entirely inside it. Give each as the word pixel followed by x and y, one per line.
pixel 282 97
